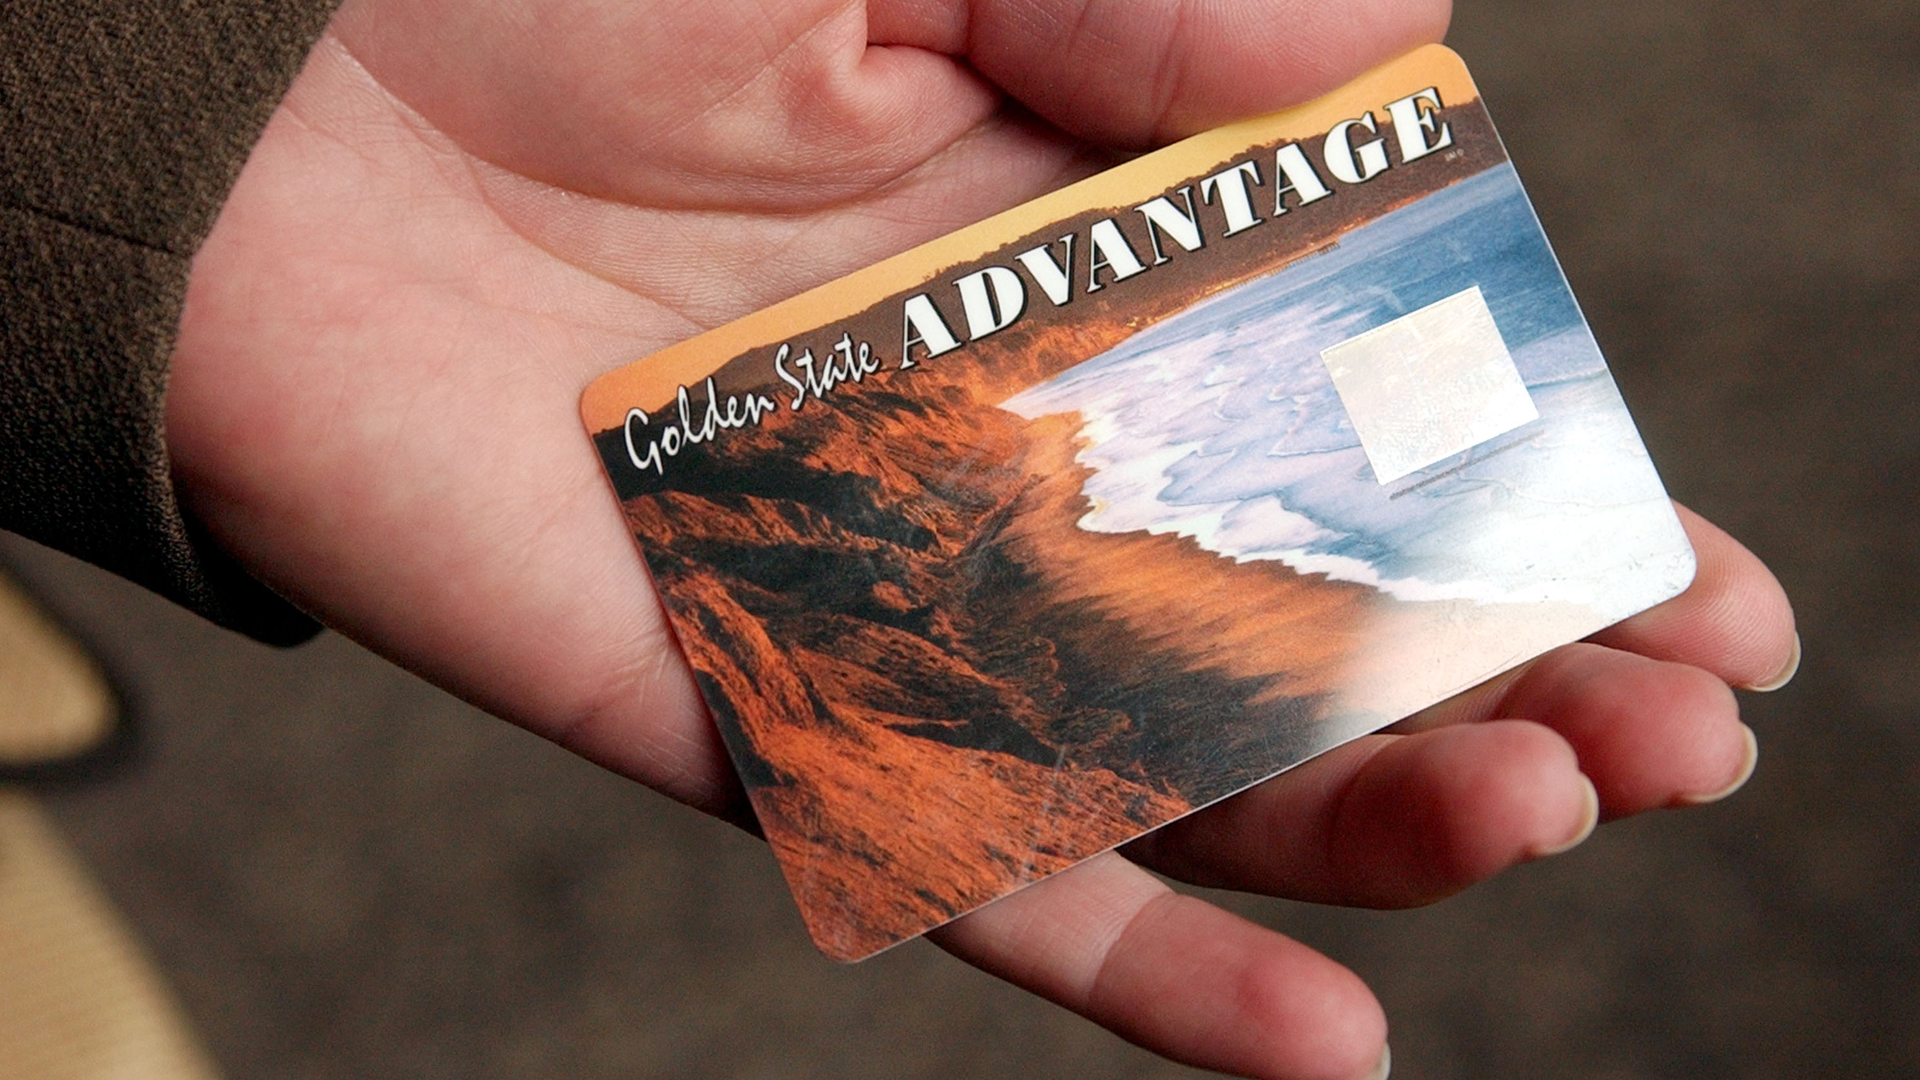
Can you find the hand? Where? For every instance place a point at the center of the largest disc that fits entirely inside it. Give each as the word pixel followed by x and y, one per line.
pixel 466 210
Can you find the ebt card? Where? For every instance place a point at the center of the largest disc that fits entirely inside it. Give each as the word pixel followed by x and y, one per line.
pixel 1006 550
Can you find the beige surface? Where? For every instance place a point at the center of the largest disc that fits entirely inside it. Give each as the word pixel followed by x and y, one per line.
pixel 53 700
pixel 77 999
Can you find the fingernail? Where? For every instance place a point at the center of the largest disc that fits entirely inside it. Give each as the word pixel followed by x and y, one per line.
pixel 1385 1068
pixel 1589 821
pixel 1786 675
pixel 1740 778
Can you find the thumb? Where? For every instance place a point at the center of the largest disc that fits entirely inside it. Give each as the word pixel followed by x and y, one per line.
pixel 1142 72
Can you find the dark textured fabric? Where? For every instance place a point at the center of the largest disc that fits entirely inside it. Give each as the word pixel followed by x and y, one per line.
pixel 122 126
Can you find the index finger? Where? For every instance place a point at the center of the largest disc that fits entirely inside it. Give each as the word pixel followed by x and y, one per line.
pixel 1733 621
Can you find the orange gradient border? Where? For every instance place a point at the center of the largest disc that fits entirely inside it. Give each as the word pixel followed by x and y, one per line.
pixel 649 381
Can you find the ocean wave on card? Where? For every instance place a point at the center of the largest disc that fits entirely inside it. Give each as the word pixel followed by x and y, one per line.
pixel 1221 424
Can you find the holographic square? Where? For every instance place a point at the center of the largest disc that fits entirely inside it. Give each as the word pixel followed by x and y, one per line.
pixel 1429 385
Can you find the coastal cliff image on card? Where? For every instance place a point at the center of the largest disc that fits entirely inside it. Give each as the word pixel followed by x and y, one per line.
pixel 1002 552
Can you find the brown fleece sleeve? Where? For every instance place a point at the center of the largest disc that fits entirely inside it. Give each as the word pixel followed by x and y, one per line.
pixel 123 124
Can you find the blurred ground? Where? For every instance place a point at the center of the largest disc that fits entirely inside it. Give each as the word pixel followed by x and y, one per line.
pixel 346 873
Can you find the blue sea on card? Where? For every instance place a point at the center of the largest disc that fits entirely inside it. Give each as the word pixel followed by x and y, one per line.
pixel 1221 424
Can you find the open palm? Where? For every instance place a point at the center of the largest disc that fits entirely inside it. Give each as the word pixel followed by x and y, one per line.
pixel 466 209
